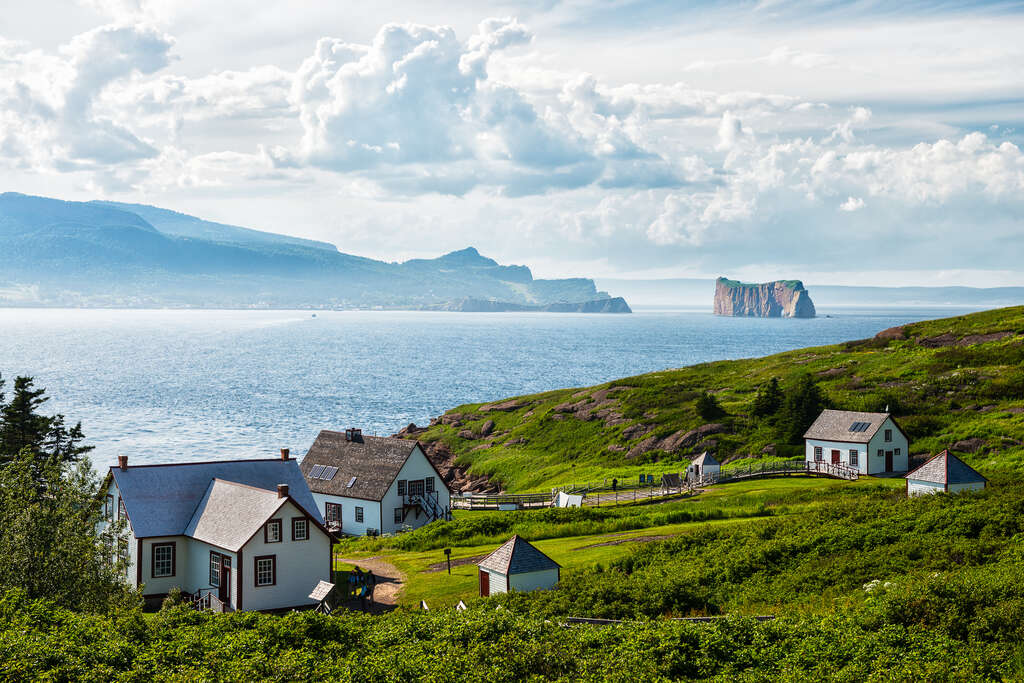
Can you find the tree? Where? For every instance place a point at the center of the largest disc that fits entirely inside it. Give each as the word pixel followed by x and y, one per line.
pixel 768 399
pixel 707 407
pixel 53 544
pixel 23 427
pixel 802 405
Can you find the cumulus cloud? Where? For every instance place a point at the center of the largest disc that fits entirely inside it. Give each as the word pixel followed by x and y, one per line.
pixel 852 204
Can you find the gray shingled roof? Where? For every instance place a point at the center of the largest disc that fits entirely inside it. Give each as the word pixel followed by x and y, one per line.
pixel 161 499
pixel 517 556
pixel 834 425
pixel 374 461
pixel 230 514
pixel 946 468
pixel 705 458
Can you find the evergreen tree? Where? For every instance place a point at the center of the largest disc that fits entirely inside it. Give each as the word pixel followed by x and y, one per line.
pixel 708 408
pixel 768 399
pixel 802 405
pixel 23 427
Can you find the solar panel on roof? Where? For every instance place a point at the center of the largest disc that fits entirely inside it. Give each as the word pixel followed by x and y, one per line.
pixel 350 482
pixel 329 473
pixel 316 471
pixel 860 426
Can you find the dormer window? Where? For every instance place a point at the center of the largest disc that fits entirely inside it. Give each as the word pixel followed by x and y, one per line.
pixel 272 531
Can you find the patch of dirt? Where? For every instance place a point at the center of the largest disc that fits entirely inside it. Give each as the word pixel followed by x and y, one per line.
pixel 983 338
pixel 504 406
pixel 443 566
pixel 390 582
pixel 892 333
pixel 635 539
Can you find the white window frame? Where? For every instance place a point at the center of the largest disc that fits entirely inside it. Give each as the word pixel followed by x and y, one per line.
pixel 163 568
pixel 854 457
pixel 359 515
pixel 819 454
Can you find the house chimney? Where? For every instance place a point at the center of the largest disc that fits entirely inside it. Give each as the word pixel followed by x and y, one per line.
pixel 282 490
pixel 122 462
pixel 284 453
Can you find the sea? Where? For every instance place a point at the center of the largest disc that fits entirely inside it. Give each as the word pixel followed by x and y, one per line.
pixel 188 385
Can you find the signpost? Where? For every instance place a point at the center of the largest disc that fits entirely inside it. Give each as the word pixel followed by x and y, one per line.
pixel 448 557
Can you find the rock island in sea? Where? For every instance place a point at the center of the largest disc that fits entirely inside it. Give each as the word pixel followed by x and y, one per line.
pixel 778 299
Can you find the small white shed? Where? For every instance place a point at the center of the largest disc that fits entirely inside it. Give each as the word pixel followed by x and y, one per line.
pixel 517 565
pixel 944 473
pixel 703 467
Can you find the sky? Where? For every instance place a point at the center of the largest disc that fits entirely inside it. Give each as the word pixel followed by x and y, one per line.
pixel 857 142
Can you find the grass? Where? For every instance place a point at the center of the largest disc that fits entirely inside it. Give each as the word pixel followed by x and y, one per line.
pixel 738 503
pixel 939 394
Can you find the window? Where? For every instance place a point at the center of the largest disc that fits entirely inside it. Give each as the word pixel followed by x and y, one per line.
pixel 215 569
pixel 359 514
pixel 163 560
pixel 398 515
pixel 401 487
pixel 108 508
pixel 272 531
pixel 121 512
pixel 895 451
pixel 881 453
pixel 300 529
pixel 888 435
pixel 854 456
pixel 430 484
pixel 817 453
pixel 332 512
pixel 266 570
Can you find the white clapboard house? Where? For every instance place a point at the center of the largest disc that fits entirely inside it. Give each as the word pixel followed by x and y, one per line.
pixel 944 473
pixel 516 566
pixel 373 484
pixel 232 535
pixel 703 468
pixel 871 443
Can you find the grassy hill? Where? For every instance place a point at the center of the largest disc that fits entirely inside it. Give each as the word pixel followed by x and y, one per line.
pixel 953 383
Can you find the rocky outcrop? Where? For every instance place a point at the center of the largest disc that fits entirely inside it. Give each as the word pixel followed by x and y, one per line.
pixel 778 299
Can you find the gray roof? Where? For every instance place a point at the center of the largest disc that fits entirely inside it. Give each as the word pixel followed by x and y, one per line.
pixel 946 468
pixel 517 556
pixel 834 425
pixel 161 499
pixel 374 461
pixel 705 458
pixel 230 514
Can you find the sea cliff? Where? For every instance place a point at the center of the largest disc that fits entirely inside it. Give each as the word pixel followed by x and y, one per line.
pixel 778 299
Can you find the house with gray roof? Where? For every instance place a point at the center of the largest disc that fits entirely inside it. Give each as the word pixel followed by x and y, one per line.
pixel 233 535
pixel 516 565
pixel 703 468
pixel 372 484
pixel 944 473
pixel 871 443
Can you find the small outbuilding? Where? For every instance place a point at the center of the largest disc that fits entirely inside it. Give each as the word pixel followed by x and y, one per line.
pixel 944 473
pixel 517 565
pixel 704 466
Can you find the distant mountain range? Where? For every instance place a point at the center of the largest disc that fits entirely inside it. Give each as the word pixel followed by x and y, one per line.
pixel 55 252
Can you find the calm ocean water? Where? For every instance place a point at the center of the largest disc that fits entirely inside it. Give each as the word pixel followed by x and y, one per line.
pixel 164 386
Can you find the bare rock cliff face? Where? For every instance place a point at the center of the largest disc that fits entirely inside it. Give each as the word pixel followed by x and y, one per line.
pixel 779 299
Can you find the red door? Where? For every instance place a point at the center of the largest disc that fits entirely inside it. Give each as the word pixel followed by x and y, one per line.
pixel 224 591
pixel 888 461
pixel 485 584
pixel 835 457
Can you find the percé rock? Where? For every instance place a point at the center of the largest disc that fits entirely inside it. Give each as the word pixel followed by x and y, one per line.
pixel 778 299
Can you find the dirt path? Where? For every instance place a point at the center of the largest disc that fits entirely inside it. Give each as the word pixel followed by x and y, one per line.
pixel 390 582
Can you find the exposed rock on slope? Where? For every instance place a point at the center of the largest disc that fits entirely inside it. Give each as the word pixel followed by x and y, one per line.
pixel 778 299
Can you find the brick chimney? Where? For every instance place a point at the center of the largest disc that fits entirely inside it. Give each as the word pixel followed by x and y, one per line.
pixel 284 453
pixel 122 462
pixel 282 490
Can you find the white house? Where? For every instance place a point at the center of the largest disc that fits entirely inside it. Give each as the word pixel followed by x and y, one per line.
pixel 944 473
pixel 871 443
pixel 371 484
pixel 246 531
pixel 516 566
pixel 704 466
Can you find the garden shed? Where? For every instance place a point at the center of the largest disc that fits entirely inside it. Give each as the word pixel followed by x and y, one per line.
pixel 517 565
pixel 704 466
pixel 944 473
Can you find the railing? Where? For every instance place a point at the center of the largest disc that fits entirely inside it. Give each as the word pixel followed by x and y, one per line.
pixel 429 503
pixel 494 501
pixel 780 469
pixel 206 599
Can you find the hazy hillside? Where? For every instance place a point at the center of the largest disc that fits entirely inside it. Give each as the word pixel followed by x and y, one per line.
pixel 956 382
pixel 106 253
